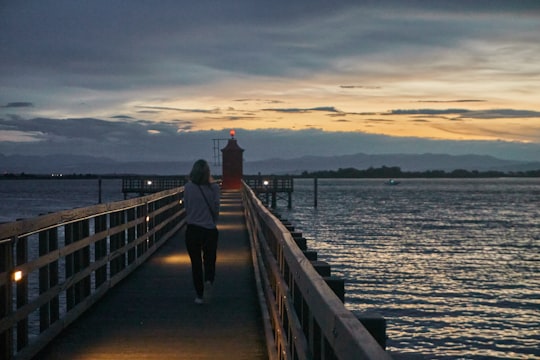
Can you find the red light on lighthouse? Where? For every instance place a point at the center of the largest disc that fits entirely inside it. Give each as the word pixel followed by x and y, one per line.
pixel 232 133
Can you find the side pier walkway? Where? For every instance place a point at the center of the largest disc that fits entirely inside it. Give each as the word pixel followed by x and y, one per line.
pixel 152 314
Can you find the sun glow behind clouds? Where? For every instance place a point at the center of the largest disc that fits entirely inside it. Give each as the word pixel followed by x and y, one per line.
pixel 445 112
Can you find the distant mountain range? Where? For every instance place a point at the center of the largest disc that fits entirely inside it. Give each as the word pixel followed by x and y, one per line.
pixel 76 164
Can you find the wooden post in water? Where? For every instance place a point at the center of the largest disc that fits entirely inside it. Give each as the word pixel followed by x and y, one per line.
pixel 274 192
pixel 99 195
pixel 315 191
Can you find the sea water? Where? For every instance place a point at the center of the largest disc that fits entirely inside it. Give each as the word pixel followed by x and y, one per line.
pixel 452 265
pixel 29 198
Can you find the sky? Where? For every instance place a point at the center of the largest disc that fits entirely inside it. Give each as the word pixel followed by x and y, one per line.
pixel 159 80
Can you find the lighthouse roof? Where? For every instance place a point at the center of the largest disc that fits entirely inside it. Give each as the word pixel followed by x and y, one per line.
pixel 232 145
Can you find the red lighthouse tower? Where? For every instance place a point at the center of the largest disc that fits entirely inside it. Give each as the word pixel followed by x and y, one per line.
pixel 232 164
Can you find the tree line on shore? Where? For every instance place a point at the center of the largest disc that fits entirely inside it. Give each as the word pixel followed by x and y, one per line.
pixel 387 172
pixel 396 172
pixel 8 176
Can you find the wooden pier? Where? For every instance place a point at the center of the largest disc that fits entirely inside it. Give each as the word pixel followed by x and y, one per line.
pixel 112 281
pixel 152 315
pixel 144 185
pixel 269 188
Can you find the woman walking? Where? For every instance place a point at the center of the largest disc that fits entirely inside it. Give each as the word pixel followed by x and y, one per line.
pixel 201 201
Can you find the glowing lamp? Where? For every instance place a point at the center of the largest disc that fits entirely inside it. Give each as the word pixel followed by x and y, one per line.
pixel 17 275
pixel 148 219
pixel 149 182
pixel 265 183
pixel 232 133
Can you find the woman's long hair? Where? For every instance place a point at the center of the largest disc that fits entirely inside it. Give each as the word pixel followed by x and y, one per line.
pixel 200 173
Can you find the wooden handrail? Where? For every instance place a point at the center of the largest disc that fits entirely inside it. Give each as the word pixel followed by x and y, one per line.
pixel 308 320
pixel 68 260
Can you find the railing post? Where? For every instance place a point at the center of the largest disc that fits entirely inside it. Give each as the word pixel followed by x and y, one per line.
pixel 6 265
pixel 142 229
pixel 117 241
pixel 22 291
pixel 84 260
pixel 151 206
pixel 131 235
pixel 48 277
pixel 375 324
pixel 77 262
pixel 100 249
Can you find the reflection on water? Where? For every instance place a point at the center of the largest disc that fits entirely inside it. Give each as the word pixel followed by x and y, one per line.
pixel 453 265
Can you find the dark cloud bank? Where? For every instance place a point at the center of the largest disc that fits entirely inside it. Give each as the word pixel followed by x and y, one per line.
pixel 138 140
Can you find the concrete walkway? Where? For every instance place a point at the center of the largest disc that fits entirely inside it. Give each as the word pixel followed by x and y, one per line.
pixel 152 315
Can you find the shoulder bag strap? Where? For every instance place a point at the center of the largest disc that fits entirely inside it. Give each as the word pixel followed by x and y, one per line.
pixel 207 203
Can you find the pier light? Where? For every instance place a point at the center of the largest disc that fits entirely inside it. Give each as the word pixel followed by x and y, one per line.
pixel 180 201
pixel 17 275
pixel 265 182
pixel 148 218
pixel 232 133
pixel 148 182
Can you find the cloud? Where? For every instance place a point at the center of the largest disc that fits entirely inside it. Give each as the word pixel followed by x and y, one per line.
pixel 427 111
pixel 360 87
pixel 148 112
pixel 121 140
pixel 259 100
pixel 205 111
pixel 237 118
pixel 451 101
pixel 471 114
pixel 305 110
pixel 169 141
pixel 381 120
pixel 181 42
pixel 501 114
pixel 18 105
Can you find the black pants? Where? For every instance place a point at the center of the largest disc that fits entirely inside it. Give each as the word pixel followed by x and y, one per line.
pixel 201 244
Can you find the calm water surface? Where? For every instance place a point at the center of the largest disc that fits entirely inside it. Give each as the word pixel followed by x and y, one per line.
pixel 30 198
pixel 453 265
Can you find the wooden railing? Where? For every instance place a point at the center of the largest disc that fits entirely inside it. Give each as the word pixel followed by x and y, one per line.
pixel 265 183
pixel 269 187
pixel 150 184
pixel 54 267
pixel 306 318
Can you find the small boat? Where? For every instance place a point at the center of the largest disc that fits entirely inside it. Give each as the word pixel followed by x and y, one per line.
pixel 392 182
